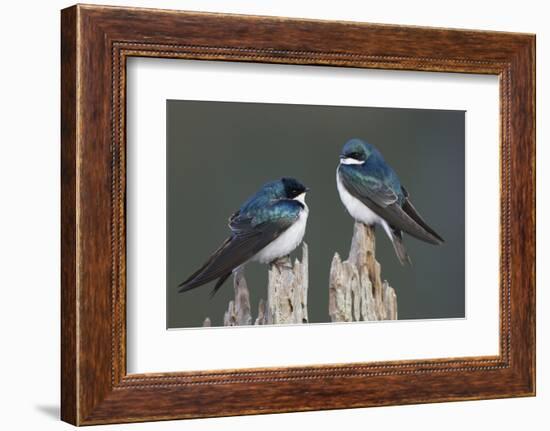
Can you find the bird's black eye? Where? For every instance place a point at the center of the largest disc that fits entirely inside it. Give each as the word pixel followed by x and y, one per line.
pixel 355 155
pixel 296 192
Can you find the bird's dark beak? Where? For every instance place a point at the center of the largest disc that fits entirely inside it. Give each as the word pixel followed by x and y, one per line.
pixel 342 156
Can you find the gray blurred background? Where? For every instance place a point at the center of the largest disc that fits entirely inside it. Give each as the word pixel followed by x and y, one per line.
pixel 220 153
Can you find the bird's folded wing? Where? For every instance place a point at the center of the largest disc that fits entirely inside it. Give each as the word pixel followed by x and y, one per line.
pixel 250 235
pixel 409 208
pixel 383 200
pixel 365 186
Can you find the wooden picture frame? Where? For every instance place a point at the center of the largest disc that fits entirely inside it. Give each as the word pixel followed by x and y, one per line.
pixel 95 43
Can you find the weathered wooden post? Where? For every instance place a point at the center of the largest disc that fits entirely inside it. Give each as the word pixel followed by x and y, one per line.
pixel 286 295
pixel 356 289
pixel 287 290
pixel 238 310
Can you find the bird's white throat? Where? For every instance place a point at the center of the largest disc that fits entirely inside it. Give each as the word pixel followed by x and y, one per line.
pixel 301 198
pixel 350 161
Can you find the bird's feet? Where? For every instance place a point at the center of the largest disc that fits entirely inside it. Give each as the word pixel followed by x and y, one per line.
pixel 283 262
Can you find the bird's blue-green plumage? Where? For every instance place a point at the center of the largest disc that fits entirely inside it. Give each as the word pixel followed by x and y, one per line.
pixel 366 176
pixel 270 204
pixel 374 176
pixel 260 220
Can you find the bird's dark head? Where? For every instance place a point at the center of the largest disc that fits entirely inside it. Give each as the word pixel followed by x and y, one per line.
pixel 293 188
pixel 355 152
pixel 283 188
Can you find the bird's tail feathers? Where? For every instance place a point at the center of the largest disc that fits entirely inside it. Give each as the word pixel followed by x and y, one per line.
pixel 399 247
pixel 219 283
pixel 193 283
pixel 429 235
pixel 200 276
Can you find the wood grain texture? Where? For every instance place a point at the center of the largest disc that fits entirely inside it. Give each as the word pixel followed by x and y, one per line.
pixel 69 365
pixel 286 295
pixel 238 310
pixel 287 287
pixel 357 291
pixel 96 41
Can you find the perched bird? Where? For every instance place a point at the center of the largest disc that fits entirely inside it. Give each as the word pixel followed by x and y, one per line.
pixel 268 226
pixel 372 193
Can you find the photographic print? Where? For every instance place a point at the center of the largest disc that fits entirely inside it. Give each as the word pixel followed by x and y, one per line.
pixel 294 213
pixel 304 214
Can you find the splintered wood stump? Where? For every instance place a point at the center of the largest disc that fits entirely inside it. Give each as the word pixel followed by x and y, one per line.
pixel 287 290
pixel 286 295
pixel 238 310
pixel 356 289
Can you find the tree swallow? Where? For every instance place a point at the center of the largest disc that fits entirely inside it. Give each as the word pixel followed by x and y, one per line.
pixel 372 193
pixel 268 226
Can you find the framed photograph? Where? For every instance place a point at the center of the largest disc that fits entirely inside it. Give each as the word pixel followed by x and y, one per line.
pixel 329 214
